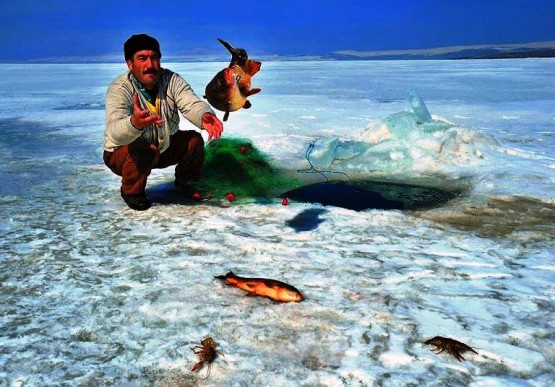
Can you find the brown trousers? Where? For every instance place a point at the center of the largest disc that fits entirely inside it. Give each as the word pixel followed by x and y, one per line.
pixel 135 161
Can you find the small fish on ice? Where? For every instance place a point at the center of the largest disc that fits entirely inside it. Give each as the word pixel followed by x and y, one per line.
pixel 263 287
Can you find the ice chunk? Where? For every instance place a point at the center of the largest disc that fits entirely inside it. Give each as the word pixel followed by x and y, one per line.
pixel 375 133
pixel 434 126
pixel 349 149
pixel 419 108
pixel 402 125
pixel 399 148
pixel 460 145
pixel 322 151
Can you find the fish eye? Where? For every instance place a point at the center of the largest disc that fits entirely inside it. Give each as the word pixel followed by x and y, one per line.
pixel 242 54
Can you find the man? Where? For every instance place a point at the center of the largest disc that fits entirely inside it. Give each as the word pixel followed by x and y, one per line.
pixel 142 123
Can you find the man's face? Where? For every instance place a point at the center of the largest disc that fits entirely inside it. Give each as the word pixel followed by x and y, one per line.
pixel 145 66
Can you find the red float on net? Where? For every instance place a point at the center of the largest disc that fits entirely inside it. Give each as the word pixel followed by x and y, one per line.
pixel 230 197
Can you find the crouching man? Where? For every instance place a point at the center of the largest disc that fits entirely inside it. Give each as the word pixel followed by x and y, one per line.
pixel 142 123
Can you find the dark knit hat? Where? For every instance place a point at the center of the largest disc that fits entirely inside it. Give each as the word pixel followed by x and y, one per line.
pixel 138 43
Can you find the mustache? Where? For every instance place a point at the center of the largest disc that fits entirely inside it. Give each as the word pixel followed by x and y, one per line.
pixel 150 71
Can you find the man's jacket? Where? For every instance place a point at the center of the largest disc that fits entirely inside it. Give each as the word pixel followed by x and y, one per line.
pixel 175 96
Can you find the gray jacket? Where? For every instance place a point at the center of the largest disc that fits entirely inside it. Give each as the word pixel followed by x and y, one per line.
pixel 175 96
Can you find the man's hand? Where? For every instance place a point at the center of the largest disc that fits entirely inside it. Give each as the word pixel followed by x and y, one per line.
pixel 212 125
pixel 142 118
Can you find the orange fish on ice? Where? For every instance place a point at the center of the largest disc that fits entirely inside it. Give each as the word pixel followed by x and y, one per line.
pixel 263 287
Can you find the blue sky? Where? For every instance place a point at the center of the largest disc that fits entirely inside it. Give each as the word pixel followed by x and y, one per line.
pixel 63 28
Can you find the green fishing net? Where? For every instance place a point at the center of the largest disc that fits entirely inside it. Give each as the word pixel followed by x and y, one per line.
pixel 235 165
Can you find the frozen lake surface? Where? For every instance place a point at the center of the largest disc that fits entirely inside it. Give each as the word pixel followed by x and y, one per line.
pixel 93 293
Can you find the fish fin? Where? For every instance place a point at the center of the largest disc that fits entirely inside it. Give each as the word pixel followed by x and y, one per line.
pixel 247 105
pixel 253 91
pixel 252 67
pixel 251 294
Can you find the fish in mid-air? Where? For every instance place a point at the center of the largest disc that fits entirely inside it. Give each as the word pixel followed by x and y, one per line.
pixel 263 287
pixel 229 89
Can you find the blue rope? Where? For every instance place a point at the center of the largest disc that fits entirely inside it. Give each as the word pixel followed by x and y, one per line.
pixel 312 169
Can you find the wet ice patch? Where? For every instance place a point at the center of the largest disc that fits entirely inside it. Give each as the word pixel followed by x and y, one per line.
pixel 83 106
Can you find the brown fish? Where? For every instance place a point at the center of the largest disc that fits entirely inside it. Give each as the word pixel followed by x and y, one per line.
pixel 451 346
pixel 264 287
pixel 223 93
pixel 229 89
pixel 244 67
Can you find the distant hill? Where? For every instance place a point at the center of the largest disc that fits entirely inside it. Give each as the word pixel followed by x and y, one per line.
pixel 527 50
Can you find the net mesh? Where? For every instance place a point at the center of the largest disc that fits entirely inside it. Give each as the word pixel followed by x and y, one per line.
pixel 235 165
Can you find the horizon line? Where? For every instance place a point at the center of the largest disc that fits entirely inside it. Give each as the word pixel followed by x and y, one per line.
pixel 346 54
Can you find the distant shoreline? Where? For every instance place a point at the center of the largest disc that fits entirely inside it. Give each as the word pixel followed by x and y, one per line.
pixel 176 60
pixel 508 51
pixel 463 54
